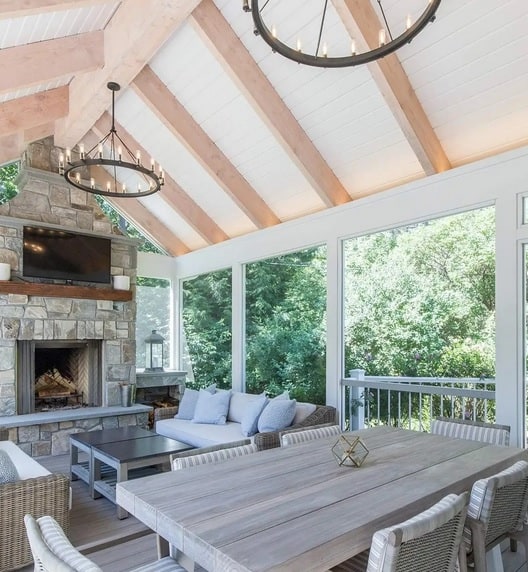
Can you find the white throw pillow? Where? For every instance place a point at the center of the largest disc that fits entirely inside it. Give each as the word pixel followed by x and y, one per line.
pixel 212 407
pixel 278 414
pixel 302 411
pixel 249 423
pixel 188 402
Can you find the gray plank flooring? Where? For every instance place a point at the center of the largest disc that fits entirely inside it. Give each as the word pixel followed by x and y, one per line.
pixel 122 545
pixel 113 544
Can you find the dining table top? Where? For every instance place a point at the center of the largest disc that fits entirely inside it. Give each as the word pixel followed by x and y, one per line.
pixel 295 509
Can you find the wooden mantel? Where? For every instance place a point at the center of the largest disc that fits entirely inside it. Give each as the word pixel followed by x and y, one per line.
pixel 64 291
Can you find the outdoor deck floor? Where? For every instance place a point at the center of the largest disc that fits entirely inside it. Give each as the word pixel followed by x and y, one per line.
pixel 121 545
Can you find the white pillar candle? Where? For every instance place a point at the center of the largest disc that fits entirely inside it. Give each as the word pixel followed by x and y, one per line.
pixel 122 282
pixel 5 271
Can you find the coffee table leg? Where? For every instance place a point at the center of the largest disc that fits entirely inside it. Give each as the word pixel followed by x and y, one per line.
pixel 74 460
pixel 122 475
pixel 95 474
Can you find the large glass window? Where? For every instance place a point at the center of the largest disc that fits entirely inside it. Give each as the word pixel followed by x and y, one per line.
pixel 206 321
pixel 153 298
pixel 285 325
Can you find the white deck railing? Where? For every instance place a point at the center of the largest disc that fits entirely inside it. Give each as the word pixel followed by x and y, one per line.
pixel 412 402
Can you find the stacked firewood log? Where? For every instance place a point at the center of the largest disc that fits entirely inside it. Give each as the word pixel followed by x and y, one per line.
pixel 53 383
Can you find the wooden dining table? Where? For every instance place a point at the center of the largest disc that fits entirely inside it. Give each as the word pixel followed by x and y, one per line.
pixel 295 509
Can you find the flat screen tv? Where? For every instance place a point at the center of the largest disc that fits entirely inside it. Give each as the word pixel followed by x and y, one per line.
pixel 65 255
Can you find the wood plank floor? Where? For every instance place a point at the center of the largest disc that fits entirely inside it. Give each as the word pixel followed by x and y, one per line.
pixel 94 526
pixel 113 544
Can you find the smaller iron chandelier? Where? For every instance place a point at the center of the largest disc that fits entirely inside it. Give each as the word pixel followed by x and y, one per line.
pixel 319 54
pixel 121 161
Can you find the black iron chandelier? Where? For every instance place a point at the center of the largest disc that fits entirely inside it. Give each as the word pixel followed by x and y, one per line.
pixel 120 164
pixel 393 33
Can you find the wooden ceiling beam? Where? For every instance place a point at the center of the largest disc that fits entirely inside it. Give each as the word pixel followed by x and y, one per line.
pixel 134 34
pixel 39 132
pixel 11 148
pixel 20 8
pixel 32 110
pixel 179 121
pixel 45 61
pixel 138 215
pixel 362 23
pixel 238 63
pixel 171 192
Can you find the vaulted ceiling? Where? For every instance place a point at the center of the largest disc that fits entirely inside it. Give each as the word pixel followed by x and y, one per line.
pixel 247 138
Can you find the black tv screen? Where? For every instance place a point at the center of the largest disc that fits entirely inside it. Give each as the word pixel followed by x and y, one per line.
pixel 65 255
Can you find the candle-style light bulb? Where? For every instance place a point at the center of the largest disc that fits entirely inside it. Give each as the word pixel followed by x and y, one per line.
pixel 274 31
pixel 78 177
pixel 92 183
pixel 299 45
pixel 409 21
pixel 382 37
pixel 61 164
pixel 100 151
pixel 138 157
pixel 119 153
pixel 325 50
pixel 81 150
pixel 353 47
pixel 68 155
pixel 139 188
pixel 124 187
pixel 152 164
pixel 108 186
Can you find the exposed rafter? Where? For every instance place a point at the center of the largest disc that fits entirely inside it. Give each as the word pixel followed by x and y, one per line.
pixel 236 60
pixel 39 132
pixel 172 193
pixel 19 8
pixel 134 34
pixel 134 211
pixel 27 112
pixel 362 23
pixel 178 120
pixel 11 147
pixel 40 62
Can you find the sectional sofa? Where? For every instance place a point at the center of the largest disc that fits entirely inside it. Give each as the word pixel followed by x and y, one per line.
pixel 198 434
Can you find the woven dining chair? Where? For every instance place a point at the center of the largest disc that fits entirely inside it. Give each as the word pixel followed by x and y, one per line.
pixel 430 541
pixel 496 511
pixel 53 552
pixel 214 454
pixel 472 430
pixel 288 438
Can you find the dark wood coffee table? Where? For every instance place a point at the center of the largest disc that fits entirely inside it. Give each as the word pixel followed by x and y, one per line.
pixel 85 440
pixel 123 456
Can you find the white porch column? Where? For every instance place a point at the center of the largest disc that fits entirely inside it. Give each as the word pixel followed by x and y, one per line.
pixel 510 398
pixel 334 322
pixel 238 327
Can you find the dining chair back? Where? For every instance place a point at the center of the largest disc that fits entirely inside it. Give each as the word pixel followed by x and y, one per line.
pixel 187 459
pixel 288 438
pixel 473 430
pixel 428 541
pixel 53 552
pixel 496 511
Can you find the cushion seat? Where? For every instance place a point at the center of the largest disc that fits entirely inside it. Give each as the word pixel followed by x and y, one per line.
pixel 199 434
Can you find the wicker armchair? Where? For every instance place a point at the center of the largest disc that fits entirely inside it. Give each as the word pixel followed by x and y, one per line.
pixel 45 495
pixel 322 415
pixel 4 434
pixel 430 541
pixel 472 430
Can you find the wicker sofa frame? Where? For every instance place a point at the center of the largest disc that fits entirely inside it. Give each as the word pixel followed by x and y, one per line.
pixel 39 496
pixel 323 414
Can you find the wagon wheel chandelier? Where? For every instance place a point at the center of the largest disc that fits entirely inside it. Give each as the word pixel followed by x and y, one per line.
pixel 120 162
pixel 390 37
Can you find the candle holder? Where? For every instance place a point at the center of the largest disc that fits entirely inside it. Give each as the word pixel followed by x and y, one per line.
pixel 350 451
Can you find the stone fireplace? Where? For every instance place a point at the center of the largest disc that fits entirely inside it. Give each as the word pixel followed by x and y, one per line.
pixel 87 330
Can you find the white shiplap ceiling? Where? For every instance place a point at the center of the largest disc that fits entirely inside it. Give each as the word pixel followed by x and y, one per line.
pixel 266 140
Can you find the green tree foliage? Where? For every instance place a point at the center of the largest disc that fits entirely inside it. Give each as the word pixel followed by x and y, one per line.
pixel 8 188
pixel 206 315
pixel 285 325
pixel 420 301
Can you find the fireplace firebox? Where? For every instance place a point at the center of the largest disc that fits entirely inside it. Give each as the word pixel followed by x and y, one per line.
pixel 55 375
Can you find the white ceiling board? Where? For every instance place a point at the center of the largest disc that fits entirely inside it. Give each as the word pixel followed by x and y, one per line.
pixel 50 25
pixel 35 89
pixel 173 221
pixel 180 164
pixel 232 123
